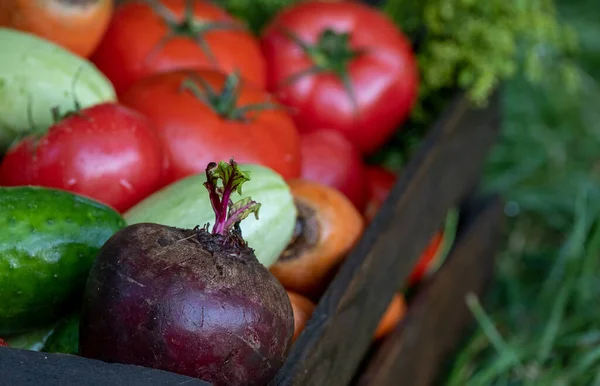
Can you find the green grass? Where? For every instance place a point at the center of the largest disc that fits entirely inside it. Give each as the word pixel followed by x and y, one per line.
pixel 540 324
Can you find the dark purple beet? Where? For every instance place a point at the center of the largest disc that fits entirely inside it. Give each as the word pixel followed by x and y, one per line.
pixel 188 301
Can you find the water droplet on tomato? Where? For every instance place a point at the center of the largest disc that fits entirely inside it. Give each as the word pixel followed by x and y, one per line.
pixel 71 182
pixel 126 184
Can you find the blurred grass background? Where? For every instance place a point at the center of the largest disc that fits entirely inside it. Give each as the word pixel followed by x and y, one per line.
pixel 541 323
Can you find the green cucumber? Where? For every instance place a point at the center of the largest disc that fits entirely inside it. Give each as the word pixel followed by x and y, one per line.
pixel 185 204
pixel 37 75
pixel 65 337
pixel 48 243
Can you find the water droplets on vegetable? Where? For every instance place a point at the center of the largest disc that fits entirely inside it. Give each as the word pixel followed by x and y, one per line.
pixel 126 184
pixel 31 205
pixel 71 182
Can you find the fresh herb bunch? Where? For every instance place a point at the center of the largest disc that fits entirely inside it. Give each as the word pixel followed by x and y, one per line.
pixel 475 45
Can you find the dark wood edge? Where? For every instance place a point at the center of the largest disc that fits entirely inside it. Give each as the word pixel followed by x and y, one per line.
pixel 444 170
pixel 416 352
pixel 32 368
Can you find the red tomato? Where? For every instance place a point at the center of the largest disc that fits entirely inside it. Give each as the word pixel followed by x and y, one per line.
pixel 380 181
pixel 3 343
pixel 329 158
pixel 143 39
pixel 107 152
pixel 204 125
pixel 317 52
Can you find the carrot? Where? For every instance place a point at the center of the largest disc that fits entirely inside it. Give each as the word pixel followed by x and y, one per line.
pixel 77 25
pixel 328 226
pixel 392 316
pixel 303 309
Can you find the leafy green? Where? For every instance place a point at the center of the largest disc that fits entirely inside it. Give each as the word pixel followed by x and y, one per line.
pixel 475 44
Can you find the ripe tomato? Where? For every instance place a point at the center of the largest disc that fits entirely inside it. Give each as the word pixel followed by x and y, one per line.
pixel 380 181
pixel 205 116
pixel 76 25
pixel 344 66
pixel 329 158
pixel 107 152
pixel 143 39
pixel 3 343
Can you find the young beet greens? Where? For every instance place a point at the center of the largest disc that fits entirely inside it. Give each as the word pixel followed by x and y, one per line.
pixel 191 301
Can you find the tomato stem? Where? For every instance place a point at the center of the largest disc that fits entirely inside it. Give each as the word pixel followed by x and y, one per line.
pixel 225 102
pixel 332 53
pixel 189 26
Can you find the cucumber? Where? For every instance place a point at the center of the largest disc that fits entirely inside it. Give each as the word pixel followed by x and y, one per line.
pixel 65 337
pixel 185 204
pixel 48 243
pixel 37 75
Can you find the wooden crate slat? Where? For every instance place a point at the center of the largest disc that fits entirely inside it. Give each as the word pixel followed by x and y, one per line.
pixel 32 368
pixel 444 170
pixel 438 318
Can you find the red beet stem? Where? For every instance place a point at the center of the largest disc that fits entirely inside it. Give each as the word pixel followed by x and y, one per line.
pixel 227 213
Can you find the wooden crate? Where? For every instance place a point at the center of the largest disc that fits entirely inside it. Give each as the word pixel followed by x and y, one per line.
pixel 335 348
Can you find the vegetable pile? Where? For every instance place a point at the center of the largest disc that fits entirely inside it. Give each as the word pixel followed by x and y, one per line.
pixel 135 147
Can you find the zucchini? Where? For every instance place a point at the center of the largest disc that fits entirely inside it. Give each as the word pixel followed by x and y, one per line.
pixel 37 75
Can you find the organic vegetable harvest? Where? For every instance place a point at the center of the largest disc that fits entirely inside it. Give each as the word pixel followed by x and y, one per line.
pixel 191 301
pixel 127 238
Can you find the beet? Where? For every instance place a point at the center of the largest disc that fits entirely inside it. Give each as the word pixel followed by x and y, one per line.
pixel 190 301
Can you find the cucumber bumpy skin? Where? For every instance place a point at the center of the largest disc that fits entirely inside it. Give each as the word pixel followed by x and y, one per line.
pixel 37 75
pixel 185 204
pixel 48 243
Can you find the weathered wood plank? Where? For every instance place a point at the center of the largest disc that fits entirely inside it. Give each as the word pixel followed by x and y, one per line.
pixel 31 368
pixel 444 170
pixel 438 318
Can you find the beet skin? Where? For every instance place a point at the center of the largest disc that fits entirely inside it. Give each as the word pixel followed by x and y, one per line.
pixel 187 301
